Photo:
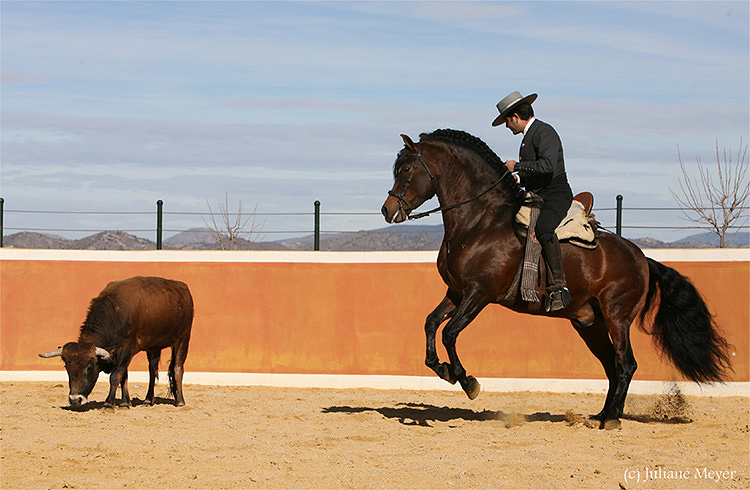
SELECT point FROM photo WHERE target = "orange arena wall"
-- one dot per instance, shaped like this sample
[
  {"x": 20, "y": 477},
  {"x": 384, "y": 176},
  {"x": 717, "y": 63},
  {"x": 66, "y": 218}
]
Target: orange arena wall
[{"x": 333, "y": 313}]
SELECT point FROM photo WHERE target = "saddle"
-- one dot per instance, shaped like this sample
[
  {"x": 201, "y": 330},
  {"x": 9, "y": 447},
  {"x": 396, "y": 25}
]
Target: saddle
[{"x": 579, "y": 227}]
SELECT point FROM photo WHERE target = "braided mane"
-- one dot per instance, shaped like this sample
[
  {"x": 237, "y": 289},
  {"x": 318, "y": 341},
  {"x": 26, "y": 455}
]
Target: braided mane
[{"x": 472, "y": 143}]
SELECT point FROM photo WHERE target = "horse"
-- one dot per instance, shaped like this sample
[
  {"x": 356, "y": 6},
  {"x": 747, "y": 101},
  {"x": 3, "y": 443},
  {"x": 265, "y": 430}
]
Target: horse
[{"x": 611, "y": 286}]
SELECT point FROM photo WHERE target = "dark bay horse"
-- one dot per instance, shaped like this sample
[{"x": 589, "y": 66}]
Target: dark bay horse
[{"x": 612, "y": 286}]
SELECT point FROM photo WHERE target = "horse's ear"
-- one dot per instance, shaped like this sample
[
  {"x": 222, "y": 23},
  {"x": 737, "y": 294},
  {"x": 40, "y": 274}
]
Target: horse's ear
[{"x": 409, "y": 143}]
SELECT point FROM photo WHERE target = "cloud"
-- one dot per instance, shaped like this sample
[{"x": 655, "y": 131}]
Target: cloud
[
  {"x": 113, "y": 104},
  {"x": 20, "y": 77},
  {"x": 444, "y": 11}
]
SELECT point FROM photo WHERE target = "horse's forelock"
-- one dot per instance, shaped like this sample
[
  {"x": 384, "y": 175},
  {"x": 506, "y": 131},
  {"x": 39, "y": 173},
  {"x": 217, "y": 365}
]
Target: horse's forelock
[{"x": 401, "y": 159}]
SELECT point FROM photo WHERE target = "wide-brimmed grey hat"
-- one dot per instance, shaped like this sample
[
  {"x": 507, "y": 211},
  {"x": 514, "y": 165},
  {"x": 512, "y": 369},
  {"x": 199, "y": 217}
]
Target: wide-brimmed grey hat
[{"x": 508, "y": 103}]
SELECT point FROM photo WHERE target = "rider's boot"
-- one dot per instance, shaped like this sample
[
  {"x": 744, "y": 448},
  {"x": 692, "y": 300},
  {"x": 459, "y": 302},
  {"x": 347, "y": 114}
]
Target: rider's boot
[{"x": 558, "y": 296}]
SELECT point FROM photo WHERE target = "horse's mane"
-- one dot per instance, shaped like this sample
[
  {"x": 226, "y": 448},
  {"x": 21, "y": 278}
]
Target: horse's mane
[{"x": 476, "y": 145}]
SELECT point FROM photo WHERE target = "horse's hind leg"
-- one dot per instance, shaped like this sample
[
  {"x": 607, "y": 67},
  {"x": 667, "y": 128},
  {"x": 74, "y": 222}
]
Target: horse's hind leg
[
  {"x": 597, "y": 340},
  {"x": 442, "y": 312},
  {"x": 616, "y": 355},
  {"x": 625, "y": 367}
]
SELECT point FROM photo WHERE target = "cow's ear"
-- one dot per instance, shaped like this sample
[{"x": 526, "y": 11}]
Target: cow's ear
[{"x": 409, "y": 143}]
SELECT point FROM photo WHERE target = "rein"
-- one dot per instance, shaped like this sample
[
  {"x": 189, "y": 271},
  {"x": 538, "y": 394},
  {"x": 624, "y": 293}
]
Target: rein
[{"x": 401, "y": 198}]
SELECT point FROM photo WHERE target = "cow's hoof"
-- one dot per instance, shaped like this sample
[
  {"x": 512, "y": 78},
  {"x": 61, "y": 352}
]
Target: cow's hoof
[
  {"x": 471, "y": 387},
  {"x": 611, "y": 424}
]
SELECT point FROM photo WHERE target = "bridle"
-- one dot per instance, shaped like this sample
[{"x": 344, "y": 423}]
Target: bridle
[
  {"x": 420, "y": 160},
  {"x": 401, "y": 196}
]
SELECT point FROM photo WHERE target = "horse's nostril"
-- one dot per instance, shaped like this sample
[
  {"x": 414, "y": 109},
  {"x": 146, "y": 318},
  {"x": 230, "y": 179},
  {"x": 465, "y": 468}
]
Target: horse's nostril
[{"x": 387, "y": 213}]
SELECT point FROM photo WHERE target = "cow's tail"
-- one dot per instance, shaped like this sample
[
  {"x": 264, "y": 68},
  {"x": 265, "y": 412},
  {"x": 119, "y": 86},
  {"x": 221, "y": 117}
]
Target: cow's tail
[{"x": 683, "y": 328}]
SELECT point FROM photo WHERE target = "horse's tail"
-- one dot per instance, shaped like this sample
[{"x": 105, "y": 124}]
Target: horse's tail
[{"x": 683, "y": 328}]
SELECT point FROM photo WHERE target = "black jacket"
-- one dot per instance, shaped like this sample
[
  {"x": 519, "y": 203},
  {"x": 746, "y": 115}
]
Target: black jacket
[{"x": 540, "y": 164}]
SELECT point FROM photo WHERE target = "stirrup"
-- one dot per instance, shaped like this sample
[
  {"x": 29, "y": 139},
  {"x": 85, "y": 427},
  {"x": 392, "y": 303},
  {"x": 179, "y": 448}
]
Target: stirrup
[{"x": 556, "y": 298}]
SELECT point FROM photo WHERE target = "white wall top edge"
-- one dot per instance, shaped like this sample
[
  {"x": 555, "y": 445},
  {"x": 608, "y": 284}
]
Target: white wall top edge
[
  {"x": 264, "y": 256},
  {"x": 382, "y": 382},
  {"x": 699, "y": 254}
]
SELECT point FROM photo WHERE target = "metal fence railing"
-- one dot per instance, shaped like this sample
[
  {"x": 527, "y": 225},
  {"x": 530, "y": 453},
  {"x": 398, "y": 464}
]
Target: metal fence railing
[{"x": 611, "y": 219}]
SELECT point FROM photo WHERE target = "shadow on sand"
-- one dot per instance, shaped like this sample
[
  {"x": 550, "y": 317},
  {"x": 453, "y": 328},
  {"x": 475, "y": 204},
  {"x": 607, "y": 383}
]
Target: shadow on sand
[
  {"x": 135, "y": 402},
  {"x": 425, "y": 415}
]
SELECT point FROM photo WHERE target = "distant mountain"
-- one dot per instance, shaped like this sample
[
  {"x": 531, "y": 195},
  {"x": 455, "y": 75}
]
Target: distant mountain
[
  {"x": 112, "y": 240},
  {"x": 305, "y": 242},
  {"x": 106, "y": 240},
  {"x": 27, "y": 239},
  {"x": 402, "y": 229},
  {"x": 394, "y": 237},
  {"x": 119, "y": 240},
  {"x": 741, "y": 239},
  {"x": 193, "y": 235},
  {"x": 644, "y": 243},
  {"x": 378, "y": 240},
  {"x": 698, "y": 240}
]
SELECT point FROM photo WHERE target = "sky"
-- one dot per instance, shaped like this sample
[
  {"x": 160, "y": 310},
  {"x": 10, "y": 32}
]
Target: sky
[{"x": 110, "y": 106}]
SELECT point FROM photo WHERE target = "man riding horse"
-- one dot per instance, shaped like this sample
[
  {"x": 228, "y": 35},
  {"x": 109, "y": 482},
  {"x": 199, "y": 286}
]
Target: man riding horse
[
  {"x": 541, "y": 170},
  {"x": 613, "y": 286}
]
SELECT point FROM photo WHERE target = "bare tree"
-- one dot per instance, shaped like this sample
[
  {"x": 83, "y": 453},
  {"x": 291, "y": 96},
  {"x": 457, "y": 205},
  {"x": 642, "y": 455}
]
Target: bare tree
[
  {"x": 719, "y": 196},
  {"x": 233, "y": 231}
]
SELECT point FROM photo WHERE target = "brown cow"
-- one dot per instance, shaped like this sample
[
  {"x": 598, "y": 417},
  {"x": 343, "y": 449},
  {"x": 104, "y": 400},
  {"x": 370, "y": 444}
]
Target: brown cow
[{"x": 129, "y": 316}]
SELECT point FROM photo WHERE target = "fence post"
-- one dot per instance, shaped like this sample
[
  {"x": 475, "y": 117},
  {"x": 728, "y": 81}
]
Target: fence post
[
  {"x": 316, "y": 241},
  {"x": 619, "y": 215},
  {"x": 159, "y": 205},
  {"x": 2, "y": 212}
]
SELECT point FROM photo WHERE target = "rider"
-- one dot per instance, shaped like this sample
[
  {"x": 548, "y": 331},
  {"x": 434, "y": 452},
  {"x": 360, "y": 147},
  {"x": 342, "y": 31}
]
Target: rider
[{"x": 541, "y": 169}]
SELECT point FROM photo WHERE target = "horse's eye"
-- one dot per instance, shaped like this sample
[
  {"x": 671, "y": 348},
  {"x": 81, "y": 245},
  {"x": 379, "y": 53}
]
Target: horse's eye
[{"x": 405, "y": 169}]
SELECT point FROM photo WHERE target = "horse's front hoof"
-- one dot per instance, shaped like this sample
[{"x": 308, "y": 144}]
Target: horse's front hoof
[
  {"x": 611, "y": 424},
  {"x": 445, "y": 371},
  {"x": 472, "y": 387}
]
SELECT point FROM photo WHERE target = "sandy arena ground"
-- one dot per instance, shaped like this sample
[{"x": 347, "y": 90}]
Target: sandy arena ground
[{"x": 250, "y": 437}]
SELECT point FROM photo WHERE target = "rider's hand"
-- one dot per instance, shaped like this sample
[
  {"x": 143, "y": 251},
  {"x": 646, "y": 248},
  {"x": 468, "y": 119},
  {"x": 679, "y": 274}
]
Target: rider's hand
[{"x": 510, "y": 164}]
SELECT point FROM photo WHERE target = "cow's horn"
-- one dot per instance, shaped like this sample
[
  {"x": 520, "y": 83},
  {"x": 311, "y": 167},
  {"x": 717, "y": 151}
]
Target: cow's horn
[
  {"x": 103, "y": 354},
  {"x": 52, "y": 353}
]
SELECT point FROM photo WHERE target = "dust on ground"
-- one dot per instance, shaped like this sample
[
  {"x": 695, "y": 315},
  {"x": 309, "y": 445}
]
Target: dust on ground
[{"x": 255, "y": 437}]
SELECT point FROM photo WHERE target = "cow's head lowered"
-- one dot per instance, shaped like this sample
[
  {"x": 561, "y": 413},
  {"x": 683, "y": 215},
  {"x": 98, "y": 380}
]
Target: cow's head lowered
[{"x": 83, "y": 361}]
